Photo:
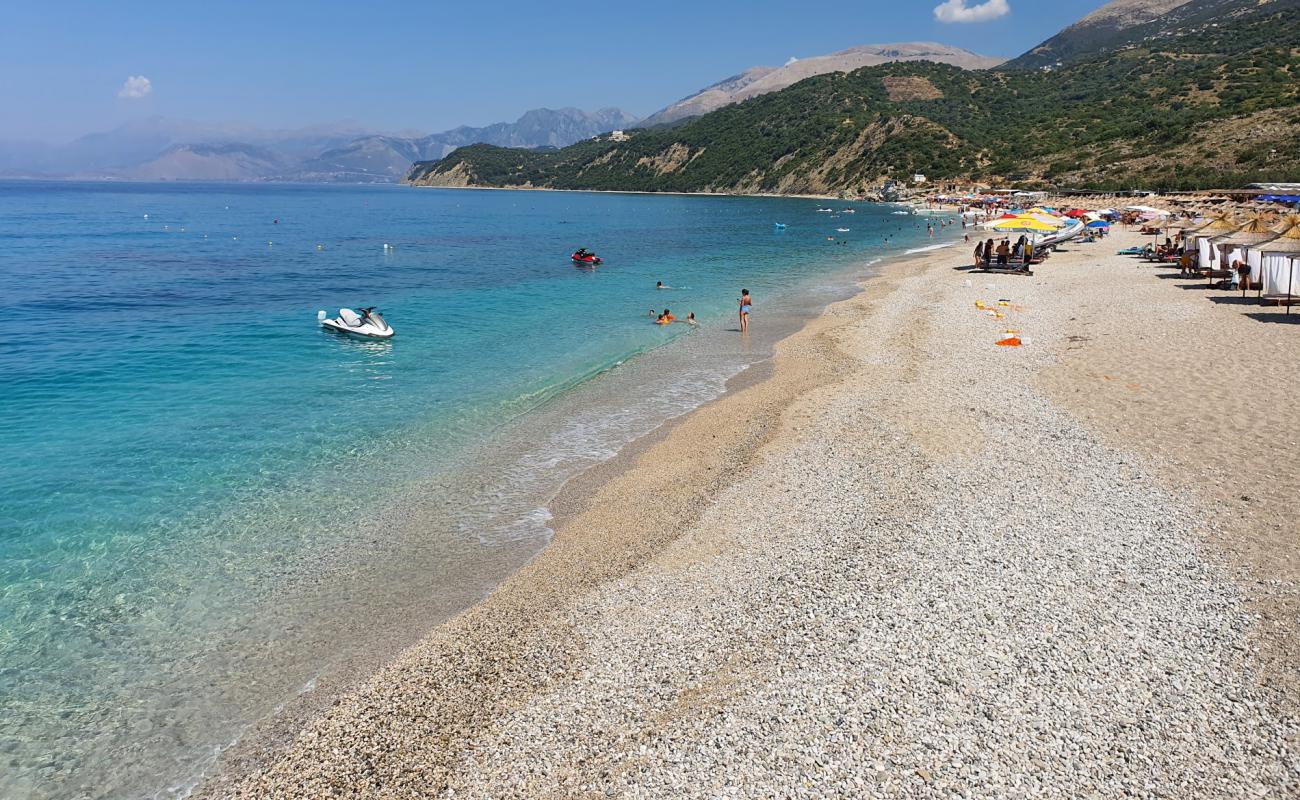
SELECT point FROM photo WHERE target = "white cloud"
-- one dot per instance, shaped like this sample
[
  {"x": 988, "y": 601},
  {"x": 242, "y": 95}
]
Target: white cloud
[
  {"x": 136, "y": 86},
  {"x": 958, "y": 11}
]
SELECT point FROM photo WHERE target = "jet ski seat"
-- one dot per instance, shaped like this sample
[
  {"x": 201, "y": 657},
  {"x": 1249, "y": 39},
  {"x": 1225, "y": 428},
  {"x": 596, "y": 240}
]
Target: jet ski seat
[{"x": 349, "y": 318}]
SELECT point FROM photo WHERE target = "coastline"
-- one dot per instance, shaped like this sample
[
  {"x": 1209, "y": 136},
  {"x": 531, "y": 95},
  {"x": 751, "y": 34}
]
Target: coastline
[
  {"x": 432, "y": 713},
  {"x": 631, "y": 191}
]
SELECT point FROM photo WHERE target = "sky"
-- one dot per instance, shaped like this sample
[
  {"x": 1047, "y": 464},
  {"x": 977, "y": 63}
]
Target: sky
[{"x": 70, "y": 68}]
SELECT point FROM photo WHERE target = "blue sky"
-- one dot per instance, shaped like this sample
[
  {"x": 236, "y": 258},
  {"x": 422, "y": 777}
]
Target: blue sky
[{"x": 432, "y": 65}]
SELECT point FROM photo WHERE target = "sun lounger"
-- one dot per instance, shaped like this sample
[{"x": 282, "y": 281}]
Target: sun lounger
[
  {"x": 1280, "y": 300},
  {"x": 1004, "y": 271}
]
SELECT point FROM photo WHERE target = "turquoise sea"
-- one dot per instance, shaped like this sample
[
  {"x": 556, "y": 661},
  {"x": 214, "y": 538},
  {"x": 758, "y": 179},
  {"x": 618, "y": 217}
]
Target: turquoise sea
[{"x": 208, "y": 504}]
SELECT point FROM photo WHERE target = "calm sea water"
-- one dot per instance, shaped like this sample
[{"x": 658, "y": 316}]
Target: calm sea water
[{"x": 206, "y": 502}]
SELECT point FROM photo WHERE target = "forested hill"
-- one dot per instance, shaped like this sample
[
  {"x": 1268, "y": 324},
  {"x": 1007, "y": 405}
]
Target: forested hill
[{"x": 1213, "y": 101}]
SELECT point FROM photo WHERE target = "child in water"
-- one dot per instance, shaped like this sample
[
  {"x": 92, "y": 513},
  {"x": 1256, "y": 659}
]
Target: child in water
[{"x": 746, "y": 304}]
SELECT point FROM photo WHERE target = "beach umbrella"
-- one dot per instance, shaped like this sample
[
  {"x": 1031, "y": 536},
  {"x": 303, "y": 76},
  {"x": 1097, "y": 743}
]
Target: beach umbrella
[
  {"x": 1023, "y": 225},
  {"x": 1046, "y": 219},
  {"x": 1099, "y": 223},
  {"x": 1075, "y": 213}
]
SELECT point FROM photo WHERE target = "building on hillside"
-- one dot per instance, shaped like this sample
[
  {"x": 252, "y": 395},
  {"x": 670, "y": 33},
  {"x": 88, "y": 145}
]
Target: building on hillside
[
  {"x": 918, "y": 179},
  {"x": 619, "y": 136}
]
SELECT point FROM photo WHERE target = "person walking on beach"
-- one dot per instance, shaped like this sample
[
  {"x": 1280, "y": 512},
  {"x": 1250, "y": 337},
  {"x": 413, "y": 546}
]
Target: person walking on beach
[
  {"x": 979, "y": 255},
  {"x": 746, "y": 304}
]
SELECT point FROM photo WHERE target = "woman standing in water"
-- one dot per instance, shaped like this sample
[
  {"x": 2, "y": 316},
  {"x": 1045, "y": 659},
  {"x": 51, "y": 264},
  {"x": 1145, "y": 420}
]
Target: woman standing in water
[{"x": 745, "y": 305}]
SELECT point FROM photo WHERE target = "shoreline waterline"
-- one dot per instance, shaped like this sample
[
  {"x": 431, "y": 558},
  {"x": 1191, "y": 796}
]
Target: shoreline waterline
[
  {"x": 560, "y": 506},
  {"x": 567, "y": 502}
]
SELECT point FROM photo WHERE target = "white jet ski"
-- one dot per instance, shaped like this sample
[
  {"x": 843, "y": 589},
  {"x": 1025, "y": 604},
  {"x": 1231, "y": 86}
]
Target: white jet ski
[{"x": 367, "y": 324}]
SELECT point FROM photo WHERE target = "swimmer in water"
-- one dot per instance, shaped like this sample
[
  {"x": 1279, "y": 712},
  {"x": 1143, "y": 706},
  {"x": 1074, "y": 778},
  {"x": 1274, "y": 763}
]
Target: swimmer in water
[
  {"x": 660, "y": 285},
  {"x": 690, "y": 319}
]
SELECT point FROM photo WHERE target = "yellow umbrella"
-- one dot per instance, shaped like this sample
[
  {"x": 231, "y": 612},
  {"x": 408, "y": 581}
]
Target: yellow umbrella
[
  {"x": 1021, "y": 224},
  {"x": 1046, "y": 219}
]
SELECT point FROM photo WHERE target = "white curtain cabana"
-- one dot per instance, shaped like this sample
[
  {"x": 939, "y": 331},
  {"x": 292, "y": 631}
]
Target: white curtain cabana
[
  {"x": 1233, "y": 247},
  {"x": 1280, "y": 265}
]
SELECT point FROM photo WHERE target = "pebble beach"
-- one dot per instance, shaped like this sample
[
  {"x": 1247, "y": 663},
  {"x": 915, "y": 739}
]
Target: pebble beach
[{"x": 896, "y": 561}]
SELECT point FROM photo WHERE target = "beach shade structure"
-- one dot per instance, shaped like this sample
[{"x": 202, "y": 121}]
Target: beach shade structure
[
  {"x": 1280, "y": 267},
  {"x": 1046, "y": 219},
  {"x": 1235, "y": 246},
  {"x": 1099, "y": 223},
  {"x": 1076, "y": 213},
  {"x": 1023, "y": 225},
  {"x": 1198, "y": 237}
]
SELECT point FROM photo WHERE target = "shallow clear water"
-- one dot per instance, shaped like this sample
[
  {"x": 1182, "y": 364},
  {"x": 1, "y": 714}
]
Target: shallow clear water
[{"x": 205, "y": 500}]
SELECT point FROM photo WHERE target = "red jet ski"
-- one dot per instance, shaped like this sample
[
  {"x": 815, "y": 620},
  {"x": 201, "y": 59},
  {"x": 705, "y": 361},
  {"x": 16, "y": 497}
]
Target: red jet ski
[{"x": 586, "y": 259}]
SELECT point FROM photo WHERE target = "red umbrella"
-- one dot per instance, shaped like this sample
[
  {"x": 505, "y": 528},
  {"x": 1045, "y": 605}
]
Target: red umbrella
[{"x": 1076, "y": 213}]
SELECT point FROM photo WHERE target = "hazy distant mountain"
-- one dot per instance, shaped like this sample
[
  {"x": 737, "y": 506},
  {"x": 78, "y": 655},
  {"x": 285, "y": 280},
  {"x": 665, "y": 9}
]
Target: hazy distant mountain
[
  {"x": 209, "y": 162},
  {"x": 1100, "y": 30},
  {"x": 761, "y": 80},
  {"x": 387, "y": 158},
  {"x": 164, "y": 149},
  {"x": 125, "y": 150}
]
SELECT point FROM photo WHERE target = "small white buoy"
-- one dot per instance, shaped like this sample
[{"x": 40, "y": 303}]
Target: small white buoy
[
  {"x": 146, "y": 216},
  {"x": 234, "y": 238},
  {"x": 320, "y": 247},
  {"x": 182, "y": 230},
  {"x": 268, "y": 244}
]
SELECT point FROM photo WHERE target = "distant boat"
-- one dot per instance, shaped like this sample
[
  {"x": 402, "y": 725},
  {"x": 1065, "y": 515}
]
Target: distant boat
[
  {"x": 849, "y": 211},
  {"x": 780, "y": 226},
  {"x": 825, "y": 211},
  {"x": 842, "y": 230}
]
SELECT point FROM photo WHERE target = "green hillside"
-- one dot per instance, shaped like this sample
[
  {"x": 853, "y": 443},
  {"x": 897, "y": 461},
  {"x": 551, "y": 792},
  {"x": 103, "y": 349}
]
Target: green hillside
[{"x": 1211, "y": 100}]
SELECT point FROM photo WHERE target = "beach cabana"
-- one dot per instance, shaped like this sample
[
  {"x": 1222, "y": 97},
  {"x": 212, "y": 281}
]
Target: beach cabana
[
  {"x": 1235, "y": 246},
  {"x": 1280, "y": 267},
  {"x": 1199, "y": 239}
]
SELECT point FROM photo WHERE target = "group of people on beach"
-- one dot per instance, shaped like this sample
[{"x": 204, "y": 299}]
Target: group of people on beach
[{"x": 1003, "y": 253}]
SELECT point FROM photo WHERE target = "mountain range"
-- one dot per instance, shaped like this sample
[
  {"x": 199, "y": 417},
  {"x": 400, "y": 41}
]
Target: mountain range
[
  {"x": 1142, "y": 93},
  {"x": 757, "y": 81},
  {"x": 158, "y": 148}
]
